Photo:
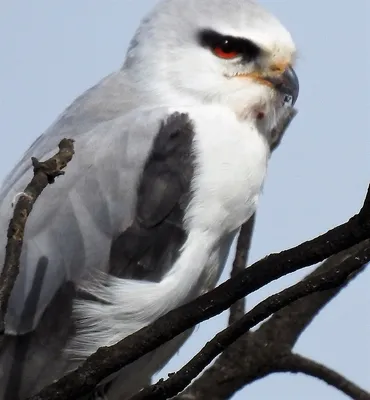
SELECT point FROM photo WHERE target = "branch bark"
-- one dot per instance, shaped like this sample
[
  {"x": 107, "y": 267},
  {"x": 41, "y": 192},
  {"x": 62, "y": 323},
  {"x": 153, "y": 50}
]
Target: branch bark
[
  {"x": 287, "y": 325},
  {"x": 111, "y": 359},
  {"x": 44, "y": 174},
  {"x": 319, "y": 282},
  {"x": 237, "y": 310},
  {"x": 296, "y": 363},
  {"x": 256, "y": 354}
]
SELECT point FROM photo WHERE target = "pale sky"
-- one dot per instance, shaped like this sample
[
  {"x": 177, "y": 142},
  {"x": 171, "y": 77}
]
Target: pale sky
[{"x": 52, "y": 51}]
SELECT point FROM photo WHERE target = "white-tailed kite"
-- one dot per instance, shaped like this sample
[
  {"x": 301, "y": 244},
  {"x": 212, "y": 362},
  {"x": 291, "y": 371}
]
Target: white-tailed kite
[{"x": 171, "y": 155}]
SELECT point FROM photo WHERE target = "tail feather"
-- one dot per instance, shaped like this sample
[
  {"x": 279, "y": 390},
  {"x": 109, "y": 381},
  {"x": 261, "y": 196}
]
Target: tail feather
[
  {"x": 125, "y": 306},
  {"x": 31, "y": 361}
]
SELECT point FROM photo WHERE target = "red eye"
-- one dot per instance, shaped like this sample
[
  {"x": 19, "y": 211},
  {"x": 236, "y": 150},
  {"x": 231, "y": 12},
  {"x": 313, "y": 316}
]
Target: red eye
[{"x": 223, "y": 53}]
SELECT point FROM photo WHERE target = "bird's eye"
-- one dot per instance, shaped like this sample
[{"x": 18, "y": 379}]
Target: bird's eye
[
  {"x": 228, "y": 47},
  {"x": 225, "y": 50}
]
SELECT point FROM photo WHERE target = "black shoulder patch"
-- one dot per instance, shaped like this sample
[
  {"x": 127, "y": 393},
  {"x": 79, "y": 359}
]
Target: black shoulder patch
[{"x": 148, "y": 248}]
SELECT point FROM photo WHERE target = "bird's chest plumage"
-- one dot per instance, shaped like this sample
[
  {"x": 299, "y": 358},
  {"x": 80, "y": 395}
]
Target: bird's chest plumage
[{"x": 231, "y": 162}]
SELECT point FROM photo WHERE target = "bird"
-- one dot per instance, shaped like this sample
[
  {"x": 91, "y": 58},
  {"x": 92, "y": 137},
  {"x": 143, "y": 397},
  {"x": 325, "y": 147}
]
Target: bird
[{"x": 171, "y": 154}]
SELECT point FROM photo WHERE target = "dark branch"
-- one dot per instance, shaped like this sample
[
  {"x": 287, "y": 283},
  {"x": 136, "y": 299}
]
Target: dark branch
[
  {"x": 237, "y": 310},
  {"x": 323, "y": 281},
  {"x": 295, "y": 363},
  {"x": 254, "y": 355},
  {"x": 108, "y": 360},
  {"x": 286, "y": 326},
  {"x": 44, "y": 174}
]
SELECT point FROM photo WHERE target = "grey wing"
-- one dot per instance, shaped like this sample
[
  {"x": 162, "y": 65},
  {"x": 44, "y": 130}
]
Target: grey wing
[{"x": 74, "y": 220}]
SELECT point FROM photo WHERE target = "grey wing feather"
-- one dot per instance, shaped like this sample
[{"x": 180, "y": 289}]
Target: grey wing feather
[{"x": 93, "y": 202}]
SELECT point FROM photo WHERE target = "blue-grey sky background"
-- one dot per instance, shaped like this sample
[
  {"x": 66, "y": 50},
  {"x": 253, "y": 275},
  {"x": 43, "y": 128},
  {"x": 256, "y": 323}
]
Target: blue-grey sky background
[{"x": 52, "y": 51}]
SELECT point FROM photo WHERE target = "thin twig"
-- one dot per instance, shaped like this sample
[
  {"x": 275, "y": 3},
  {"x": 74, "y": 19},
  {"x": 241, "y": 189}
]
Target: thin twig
[
  {"x": 286, "y": 326},
  {"x": 108, "y": 360},
  {"x": 324, "y": 281},
  {"x": 44, "y": 174},
  {"x": 296, "y": 363},
  {"x": 237, "y": 310}
]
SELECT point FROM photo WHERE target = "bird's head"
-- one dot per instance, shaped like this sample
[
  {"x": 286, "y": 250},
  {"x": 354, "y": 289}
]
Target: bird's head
[{"x": 233, "y": 53}]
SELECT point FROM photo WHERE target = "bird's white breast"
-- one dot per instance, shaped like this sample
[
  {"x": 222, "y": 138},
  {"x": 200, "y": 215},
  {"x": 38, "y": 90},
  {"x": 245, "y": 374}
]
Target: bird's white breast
[{"x": 231, "y": 163}]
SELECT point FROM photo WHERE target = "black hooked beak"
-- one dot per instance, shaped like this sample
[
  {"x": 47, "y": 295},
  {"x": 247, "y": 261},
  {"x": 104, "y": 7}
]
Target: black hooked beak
[{"x": 287, "y": 83}]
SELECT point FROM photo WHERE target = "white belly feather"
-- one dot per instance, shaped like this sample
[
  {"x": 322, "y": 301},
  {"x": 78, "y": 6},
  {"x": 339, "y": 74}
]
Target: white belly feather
[
  {"x": 231, "y": 166},
  {"x": 231, "y": 158}
]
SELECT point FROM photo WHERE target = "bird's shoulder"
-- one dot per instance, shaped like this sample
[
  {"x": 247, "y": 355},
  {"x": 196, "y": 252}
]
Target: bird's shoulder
[{"x": 147, "y": 248}]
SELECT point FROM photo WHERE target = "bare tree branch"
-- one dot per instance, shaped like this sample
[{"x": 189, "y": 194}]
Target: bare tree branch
[
  {"x": 319, "y": 282},
  {"x": 288, "y": 324},
  {"x": 44, "y": 174},
  {"x": 237, "y": 310},
  {"x": 108, "y": 360},
  {"x": 296, "y": 363},
  {"x": 253, "y": 355}
]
